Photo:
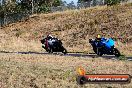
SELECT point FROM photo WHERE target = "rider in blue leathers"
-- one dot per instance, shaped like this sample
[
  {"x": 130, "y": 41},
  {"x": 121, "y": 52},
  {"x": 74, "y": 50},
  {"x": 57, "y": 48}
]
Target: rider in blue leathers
[{"x": 101, "y": 41}]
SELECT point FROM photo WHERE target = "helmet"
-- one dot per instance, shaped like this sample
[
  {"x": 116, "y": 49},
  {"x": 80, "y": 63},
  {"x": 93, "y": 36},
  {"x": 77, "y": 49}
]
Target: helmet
[
  {"x": 49, "y": 36},
  {"x": 98, "y": 36}
]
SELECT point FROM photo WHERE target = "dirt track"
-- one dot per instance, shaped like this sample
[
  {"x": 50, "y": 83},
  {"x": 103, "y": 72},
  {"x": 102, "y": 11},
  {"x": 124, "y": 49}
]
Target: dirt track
[{"x": 72, "y": 54}]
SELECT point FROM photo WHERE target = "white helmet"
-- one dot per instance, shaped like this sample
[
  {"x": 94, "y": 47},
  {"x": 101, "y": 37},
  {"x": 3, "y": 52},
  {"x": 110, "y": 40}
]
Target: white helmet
[{"x": 50, "y": 36}]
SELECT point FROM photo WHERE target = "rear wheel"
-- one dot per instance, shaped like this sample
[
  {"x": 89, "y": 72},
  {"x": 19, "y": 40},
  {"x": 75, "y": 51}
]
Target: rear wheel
[
  {"x": 64, "y": 51},
  {"x": 116, "y": 52}
]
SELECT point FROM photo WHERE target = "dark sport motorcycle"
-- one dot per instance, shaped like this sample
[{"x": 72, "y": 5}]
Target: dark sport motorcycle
[
  {"x": 53, "y": 45},
  {"x": 105, "y": 46}
]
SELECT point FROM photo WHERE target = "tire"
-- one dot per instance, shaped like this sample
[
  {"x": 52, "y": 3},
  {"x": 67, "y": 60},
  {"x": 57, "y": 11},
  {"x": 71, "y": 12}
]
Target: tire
[
  {"x": 64, "y": 51},
  {"x": 81, "y": 80},
  {"x": 50, "y": 50},
  {"x": 43, "y": 47},
  {"x": 99, "y": 53},
  {"x": 47, "y": 49},
  {"x": 116, "y": 52},
  {"x": 95, "y": 50}
]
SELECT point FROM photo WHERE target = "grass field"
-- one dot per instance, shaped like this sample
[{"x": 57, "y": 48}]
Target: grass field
[{"x": 52, "y": 71}]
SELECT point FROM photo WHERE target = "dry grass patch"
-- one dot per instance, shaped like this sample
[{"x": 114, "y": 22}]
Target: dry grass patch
[{"x": 48, "y": 71}]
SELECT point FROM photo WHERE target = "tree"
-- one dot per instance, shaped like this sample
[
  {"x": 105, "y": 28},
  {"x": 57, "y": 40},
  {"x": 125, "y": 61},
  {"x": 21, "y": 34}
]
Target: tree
[
  {"x": 71, "y": 5},
  {"x": 45, "y": 5},
  {"x": 57, "y": 3},
  {"x": 26, "y": 4},
  {"x": 1, "y": 16},
  {"x": 64, "y": 3}
]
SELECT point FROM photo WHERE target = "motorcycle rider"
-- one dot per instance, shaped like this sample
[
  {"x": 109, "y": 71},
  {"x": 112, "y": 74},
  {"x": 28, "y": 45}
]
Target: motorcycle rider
[
  {"x": 101, "y": 40},
  {"x": 52, "y": 44},
  {"x": 49, "y": 40}
]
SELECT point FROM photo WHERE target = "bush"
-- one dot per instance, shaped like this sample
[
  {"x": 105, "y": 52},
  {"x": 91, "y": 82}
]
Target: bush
[
  {"x": 122, "y": 57},
  {"x": 112, "y": 2}
]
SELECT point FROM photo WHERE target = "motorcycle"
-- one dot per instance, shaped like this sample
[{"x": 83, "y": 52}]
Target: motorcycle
[
  {"x": 53, "y": 45},
  {"x": 105, "y": 46}
]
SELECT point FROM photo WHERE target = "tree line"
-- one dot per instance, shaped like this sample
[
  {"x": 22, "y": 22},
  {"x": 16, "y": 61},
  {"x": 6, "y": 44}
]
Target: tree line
[{"x": 13, "y": 6}]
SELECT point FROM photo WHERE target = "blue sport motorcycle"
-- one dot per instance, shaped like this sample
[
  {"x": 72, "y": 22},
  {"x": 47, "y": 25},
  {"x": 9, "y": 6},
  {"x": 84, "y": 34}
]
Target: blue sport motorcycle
[{"x": 104, "y": 46}]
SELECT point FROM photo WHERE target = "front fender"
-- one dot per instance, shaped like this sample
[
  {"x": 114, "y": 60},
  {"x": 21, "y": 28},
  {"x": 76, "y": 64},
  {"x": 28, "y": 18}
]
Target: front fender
[{"x": 43, "y": 46}]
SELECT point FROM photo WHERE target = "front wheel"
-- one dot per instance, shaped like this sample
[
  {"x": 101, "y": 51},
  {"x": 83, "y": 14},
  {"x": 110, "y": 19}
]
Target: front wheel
[
  {"x": 99, "y": 52},
  {"x": 49, "y": 50},
  {"x": 116, "y": 52}
]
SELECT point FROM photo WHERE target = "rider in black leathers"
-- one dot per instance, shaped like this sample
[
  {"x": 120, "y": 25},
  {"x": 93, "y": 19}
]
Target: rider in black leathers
[{"x": 49, "y": 41}]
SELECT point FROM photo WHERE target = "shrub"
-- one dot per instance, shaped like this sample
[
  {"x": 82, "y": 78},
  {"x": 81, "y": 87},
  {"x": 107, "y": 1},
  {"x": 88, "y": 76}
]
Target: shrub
[
  {"x": 122, "y": 57},
  {"x": 112, "y": 2}
]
